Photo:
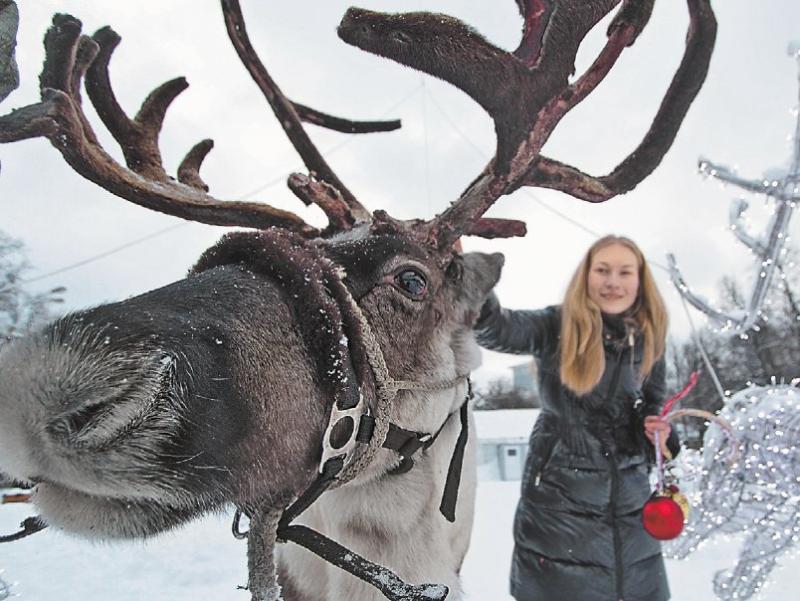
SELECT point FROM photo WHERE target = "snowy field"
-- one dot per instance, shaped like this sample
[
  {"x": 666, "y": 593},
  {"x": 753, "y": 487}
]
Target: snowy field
[{"x": 203, "y": 562}]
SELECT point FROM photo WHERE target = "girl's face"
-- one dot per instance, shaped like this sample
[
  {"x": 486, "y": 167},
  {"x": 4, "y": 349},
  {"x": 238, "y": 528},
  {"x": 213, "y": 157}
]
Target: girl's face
[{"x": 613, "y": 280}]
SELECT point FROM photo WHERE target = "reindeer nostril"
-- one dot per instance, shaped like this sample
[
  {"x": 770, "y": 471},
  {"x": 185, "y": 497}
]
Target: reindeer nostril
[{"x": 79, "y": 420}]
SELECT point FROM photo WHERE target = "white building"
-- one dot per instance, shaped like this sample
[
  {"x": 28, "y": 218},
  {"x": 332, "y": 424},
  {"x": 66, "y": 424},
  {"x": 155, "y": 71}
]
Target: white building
[{"x": 503, "y": 442}]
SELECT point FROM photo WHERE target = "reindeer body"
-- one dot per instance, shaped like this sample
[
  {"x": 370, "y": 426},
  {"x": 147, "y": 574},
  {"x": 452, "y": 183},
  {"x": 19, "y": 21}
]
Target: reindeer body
[{"x": 134, "y": 417}]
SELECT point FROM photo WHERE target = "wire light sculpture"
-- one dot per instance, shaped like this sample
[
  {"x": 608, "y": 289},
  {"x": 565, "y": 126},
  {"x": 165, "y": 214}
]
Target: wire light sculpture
[
  {"x": 758, "y": 495},
  {"x": 785, "y": 193},
  {"x": 5, "y": 590}
]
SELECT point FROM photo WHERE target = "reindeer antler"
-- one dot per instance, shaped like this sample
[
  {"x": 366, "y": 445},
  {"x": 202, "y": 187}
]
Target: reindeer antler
[
  {"x": 527, "y": 92},
  {"x": 60, "y": 118},
  {"x": 289, "y": 116},
  {"x": 72, "y": 58}
]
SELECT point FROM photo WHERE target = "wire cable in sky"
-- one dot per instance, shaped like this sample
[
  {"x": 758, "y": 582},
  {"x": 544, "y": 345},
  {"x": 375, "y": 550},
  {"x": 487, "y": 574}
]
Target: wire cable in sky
[{"x": 106, "y": 253}]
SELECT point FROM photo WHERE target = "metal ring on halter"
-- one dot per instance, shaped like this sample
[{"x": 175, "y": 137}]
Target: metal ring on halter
[{"x": 337, "y": 415}]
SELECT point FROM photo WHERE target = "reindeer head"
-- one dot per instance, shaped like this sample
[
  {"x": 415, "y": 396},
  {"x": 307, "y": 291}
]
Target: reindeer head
[{"x": 135, "y": 416}]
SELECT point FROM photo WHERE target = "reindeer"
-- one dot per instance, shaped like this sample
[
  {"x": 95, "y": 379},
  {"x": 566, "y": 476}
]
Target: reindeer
[
  {"x": 758, "y": 494},
  {"x": 307, "y": 375}
]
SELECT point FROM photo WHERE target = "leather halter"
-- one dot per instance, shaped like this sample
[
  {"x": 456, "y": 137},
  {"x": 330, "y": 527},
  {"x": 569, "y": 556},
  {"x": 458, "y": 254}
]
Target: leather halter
[
  {"x": 368, "y": 432},
  {"x": 373, "y": 429}
]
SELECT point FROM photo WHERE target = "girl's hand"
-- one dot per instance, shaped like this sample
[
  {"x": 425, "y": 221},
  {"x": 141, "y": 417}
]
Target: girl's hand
[{"x": 653, "y": 424}]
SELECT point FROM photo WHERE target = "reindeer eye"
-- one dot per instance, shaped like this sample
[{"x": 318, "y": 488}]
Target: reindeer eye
[{"x": 412, "y": 282}]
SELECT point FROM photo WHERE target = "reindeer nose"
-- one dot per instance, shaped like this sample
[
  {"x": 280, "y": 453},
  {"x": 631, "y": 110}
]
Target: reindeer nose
[
  {"x": 76, "y": 424},
  {"x": 102, "y": 415}
]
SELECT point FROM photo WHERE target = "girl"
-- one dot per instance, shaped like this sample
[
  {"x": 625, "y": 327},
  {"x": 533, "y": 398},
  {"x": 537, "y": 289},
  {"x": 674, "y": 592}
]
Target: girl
[{"x": 577, "y": 530}]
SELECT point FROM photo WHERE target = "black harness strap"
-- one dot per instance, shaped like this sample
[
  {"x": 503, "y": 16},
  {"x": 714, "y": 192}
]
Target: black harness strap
[
  {"x": 30, "y": 526},
  {"x": 451, "y": 485},
  {"x": 381, "y": 578},
  {"x": 407, "y": 442},
  {"x": 391, "y": 585},
  {"x": 323, "y": 480},
  {"x": 404, "y": 442}
]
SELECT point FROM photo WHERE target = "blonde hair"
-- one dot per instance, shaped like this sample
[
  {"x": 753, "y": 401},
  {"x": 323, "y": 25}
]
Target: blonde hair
[{"x": 581, "y": 347}]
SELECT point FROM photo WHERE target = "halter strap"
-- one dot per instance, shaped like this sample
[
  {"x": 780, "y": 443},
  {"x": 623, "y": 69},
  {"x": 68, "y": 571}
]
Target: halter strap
[
  {"x": 29, "y": 526},
  {"x": 386, "y": 389},
  {"x": 369, "y": 432}
]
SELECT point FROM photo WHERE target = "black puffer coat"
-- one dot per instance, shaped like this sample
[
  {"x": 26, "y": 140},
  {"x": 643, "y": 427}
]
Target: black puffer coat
[{"x": 577, "y": 530}]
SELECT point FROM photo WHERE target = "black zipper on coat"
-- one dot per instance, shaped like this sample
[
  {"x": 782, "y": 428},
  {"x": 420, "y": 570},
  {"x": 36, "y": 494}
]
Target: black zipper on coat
[
  {"x": 612, "y": 502},
  {"x": 612, "y": 509}
]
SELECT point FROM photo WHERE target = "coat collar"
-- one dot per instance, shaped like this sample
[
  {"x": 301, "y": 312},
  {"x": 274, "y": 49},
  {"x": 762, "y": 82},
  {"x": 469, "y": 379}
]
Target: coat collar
[{"x": 618, "y": 329}]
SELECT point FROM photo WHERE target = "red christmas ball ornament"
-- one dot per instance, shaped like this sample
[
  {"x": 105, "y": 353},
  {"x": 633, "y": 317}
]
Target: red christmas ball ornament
[{"x": 662, "y": 517}]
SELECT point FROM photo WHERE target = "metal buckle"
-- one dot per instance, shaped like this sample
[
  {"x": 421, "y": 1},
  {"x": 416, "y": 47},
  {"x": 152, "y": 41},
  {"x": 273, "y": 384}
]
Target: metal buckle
[{"x": 337, "y": 415}]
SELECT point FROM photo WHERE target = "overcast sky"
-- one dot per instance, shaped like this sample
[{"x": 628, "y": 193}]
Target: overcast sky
[{"x": 742, "y": 118}]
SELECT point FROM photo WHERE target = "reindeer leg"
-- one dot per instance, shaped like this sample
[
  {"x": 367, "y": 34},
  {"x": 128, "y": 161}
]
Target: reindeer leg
[
  {"x": 758, "y": 557},
  {"x": 261, "y": 539}
]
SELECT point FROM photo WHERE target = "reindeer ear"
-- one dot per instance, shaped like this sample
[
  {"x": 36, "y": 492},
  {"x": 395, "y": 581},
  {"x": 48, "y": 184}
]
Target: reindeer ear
[
  {"x": 493, "y": 268},
  {"x": 483, "y": 272},
  {"x": 455, "y": 271}
]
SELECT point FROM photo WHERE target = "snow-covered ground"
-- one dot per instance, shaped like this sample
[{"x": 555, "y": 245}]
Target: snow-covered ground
[{"x": 203, "y": 562}]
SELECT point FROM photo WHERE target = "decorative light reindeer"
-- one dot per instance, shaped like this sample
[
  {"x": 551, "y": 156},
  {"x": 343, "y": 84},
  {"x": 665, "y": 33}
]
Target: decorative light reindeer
[
  {"x": 758, "y": 495},
  {"x": 352, "y": 342}
]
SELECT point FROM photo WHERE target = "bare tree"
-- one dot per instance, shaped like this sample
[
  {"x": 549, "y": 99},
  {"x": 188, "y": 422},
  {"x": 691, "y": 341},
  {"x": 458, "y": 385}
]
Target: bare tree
[
  {"x": 9, "y": 21},
  {"x": 500, "y": 393},
  {"x": 20, "y": 310}
]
